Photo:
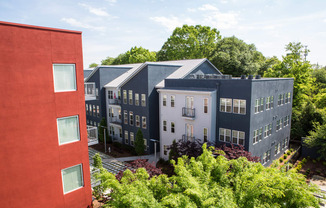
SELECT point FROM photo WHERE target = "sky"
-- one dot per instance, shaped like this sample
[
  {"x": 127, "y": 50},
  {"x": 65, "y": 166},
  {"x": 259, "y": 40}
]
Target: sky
[{"x": 111, "y": 27}]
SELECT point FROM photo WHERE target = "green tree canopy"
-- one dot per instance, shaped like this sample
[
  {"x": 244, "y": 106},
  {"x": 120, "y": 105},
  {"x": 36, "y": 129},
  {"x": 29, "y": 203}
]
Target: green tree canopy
[
  {"x": 189, "y": 42},
  {"x": 139, "y": 143},
  {"x": 92, "y": 65},
  {"x": 317, "y": 139},
  {"x": 234, "y": 56},
  {"x": 211, "y": 182},
  {"x": 134, "y": 55}
]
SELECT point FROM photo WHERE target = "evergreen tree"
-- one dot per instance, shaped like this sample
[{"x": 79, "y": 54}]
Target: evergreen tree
[{"x": 139, "y": 143}]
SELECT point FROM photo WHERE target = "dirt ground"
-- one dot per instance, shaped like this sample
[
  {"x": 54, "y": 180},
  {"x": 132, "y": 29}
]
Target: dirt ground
[
  {"x": 115, "y": 152},
  {"x": 313, "y": 167}
]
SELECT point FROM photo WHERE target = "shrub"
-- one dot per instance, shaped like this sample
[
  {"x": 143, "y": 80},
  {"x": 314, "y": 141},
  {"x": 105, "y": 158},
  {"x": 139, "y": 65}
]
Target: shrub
[
  {"x": 288, "y": 153},
  {"x": 97, "y": 160},
  {"x": 314, "y": 161},
  {"x": 285, "y": 156},
  {"x": 139, "y": 143},
  {"x": 318, "y": 159},
  {"x": 281, "y": 160},
  {"x": 299, "y": 167},
  {"x": 304, "y": 160},
  {"x": 291, "y": 150},
  {"x": 324, "y": 163}
]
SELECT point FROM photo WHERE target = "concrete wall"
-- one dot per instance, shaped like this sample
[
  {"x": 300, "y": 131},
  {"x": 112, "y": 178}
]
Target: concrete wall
[{"x": 31, "y": 159}]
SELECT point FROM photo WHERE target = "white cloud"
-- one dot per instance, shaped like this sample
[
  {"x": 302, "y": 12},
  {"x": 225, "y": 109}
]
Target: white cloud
[
  {"x": 224, "y": 2},
  {"x": 76, "y": 23},
  {"x": 191, "y": 10},
  {"x": 324, "y": 20},
  {"x": 96, "y": 11},
  {"x": 172, "y": 22},
  {"x": 112, "y": 1},
  {"x": 208, "y": 7},
  {"x": 221, "y": 20}
]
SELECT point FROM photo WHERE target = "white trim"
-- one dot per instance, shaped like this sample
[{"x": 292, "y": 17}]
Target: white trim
[
  {"x": 75, "y": 76},
  {"x": 82, "y": 177},
  {"x": 192, "y": 92},
  {"x": 78, "y": 131}
]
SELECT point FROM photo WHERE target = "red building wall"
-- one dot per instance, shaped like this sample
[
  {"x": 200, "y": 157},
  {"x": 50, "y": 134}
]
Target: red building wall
[{"x": 31, "y": 159}]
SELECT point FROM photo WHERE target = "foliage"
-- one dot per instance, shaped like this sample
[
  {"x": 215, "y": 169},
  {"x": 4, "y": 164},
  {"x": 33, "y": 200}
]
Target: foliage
[
  {"x": 234, "y": 152},
  {"x": 183, "y": 147},
  {"x": 189, "y": 42},
  {"x": 101, "y": 128},
  {"x": 97, "y": 160},
  {"x": 317, "y": 139},
  {"x": 92, "y": 65},
  {"x": 141, "y": 163},
  {"x": 233, "y": 56},
  {"x": 134, "y": 55},
  {"x": 139, "y": 143},
  {"x": 211, "y": 182}
]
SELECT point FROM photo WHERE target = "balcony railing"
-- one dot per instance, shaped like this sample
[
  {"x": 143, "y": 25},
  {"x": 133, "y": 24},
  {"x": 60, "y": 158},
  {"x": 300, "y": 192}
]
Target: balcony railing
[
  {"x": 188, "y": 112},
  {"x": 90, "y": 91},
  {"x": 115, "y": 120},
  {"x": 115, "y": 102},
  {"x": 188, "y": 138},
  {"x": 92, "y": 135}
]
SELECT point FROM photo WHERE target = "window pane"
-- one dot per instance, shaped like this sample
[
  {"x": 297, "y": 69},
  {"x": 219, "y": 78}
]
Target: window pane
[
  {"x": 72, "y": 178},
  {"x": 64, "y": 77},
  {"x": 68, "y": 129}
]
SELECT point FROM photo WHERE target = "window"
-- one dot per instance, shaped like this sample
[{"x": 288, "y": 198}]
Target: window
[
  {"x": 259, "y": 105},
  {"x": 98, "y": 111},
  {"x": 120, "y": 132},
  {"x": 289, "y": 97},
  {"x": 164, "y": 100},
  {"x": 286, "y": 120},
  {"x": 137, "y": 121},
  {"x": 110, "y": 94},
  {"x": 165, "y": 148},
  {"x": 64, "y": 76},
  {"x": 111, "y": 130},
  {"x": 124, "y": 96},
  {"x": 172, "y": 100},
  {"x": 72, "y": 178},
  {"x": 283, "y": 143},
  {"x": 279, "y": 124},
  {"x": 172, "y": 127},
  {"x": 268, "y": 130},
  {"x": 96, "y": 92},
  {"x": 132, "y": 138},
  {"x": 266, "y": 156},
  {"x": 145, "y": 143},
  {"x": 144, "y": 125},
  {"x": 269, "y": 102},
  {"x": 91, "y": 123},
  {"x": 205, "y": 105},
  {"x": 125, "y": 116},
  {"x": 68, "y": 129},
  {"x": 137, "y": 99},
  {"x": 119, "y": 114},
  {"x": 90, "y": 109},
  {"x": 94, "y": 110},
  {"x": 239, "y": 106},
  {"x": 205, "y": 134},
  {"x": 131, "y": 118},
  {"x": 280, "y": 99},
  {"x": 258, "y": 135},
  {"x": 94, "y": 123},
  {"x": 225, "y": 135},
  {"x": 164, "y": 125},
  {"x": 277, "y": 148},
  {"x": 87, "y": 121},
  {"x": 226, "y": 105},
  {"x": 143, "y": 100},
  {"x": 130, "y": 97},
  {"x": 86, "y": 109},
  {"x": 238, "y": 137},
  {"x": 126, "y": 137}
]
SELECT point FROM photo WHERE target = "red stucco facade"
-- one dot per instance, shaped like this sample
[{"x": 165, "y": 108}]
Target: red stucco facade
[{"x": 31, "y": 158}]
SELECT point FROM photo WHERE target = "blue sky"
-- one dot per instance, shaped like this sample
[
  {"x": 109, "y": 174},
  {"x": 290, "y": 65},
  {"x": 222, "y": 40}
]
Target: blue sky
[{"x": 111, "y": 27}]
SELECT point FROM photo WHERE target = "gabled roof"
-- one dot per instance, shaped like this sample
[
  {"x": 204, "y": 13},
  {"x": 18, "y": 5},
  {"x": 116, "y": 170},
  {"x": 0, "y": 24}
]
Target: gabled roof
[
  {"x": 186, "y": 66},
  {"x": 108, "y": 66}
]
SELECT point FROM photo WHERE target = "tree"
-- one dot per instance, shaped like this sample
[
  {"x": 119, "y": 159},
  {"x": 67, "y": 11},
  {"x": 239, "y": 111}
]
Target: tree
[
  {"x": 317, "y": 139},
  {"x": 234, "y": 152},
  {"x": 101, "y": 128},
  {"x": 92, "y": 65},
  {"x": 235, "y": 57},
  {"x": 211, "y": 182},
  {"x": 189, "y": 42},
  {"x": 97, "y": 160},
  {"x": 134, "y": 55},
  {"x": 139, "y": 143}
]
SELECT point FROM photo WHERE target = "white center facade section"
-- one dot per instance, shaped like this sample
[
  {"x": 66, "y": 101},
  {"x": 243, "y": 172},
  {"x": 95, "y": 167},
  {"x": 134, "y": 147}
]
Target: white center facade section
[
  {"x": 114, "y": 114},
  {"x": 186, "y": 114}
]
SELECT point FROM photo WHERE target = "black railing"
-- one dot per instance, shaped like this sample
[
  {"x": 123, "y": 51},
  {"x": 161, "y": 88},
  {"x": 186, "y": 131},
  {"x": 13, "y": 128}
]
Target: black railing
[
  {"x": 188, "y": 112},
  {"x": 115, "y": 102},
  {"x": 188, "y": 138}
]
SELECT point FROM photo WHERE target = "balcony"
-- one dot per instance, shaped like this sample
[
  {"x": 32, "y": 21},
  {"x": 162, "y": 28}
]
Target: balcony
[
  {"x": 115, "y": 120},
  {"x": 90, "y": 91},
  {"x": 188, "y": 112},
  {"x": 92, "y": 135},
  {"x": 188, "y": 138},
  {"x": 115, "y": 102}
]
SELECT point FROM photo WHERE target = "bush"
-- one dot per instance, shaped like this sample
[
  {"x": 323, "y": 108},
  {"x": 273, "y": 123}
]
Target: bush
[
  {"x": 314, "y": 161},
  {"x": 285, "y": 156},
  {"x": 324, "y": 163},
  {"x": 281, "y": 160},
  {"x": 299, "y": 167},
  {"x": 291, "y": 150},
  {"x": 97, "y": 161},
  {"x": 304, "y": 160},
  {"x": 288, "y": 153},
  {"x": 139, "y": 143}
]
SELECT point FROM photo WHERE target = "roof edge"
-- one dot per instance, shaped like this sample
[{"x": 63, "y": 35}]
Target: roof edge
[{"x": 39, "y": 27}]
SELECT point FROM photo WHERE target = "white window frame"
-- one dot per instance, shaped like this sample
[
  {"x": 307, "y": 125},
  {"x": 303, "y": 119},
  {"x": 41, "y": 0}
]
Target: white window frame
[
  {"x": 126, "y": 137},
  {"x": 130, "y": 97},
  {"x": 224, "y": 102},
  {"x": 172, "y": 103},
  {"x": 164, "y": 100},
  {"x": 237, "y": 104},
  {"x": 131, "y": 118},
  {"x": 143, "y": 100},
  {"x": 82, "y": 178},
  {"x": 137, "y": 117},
  {"x": 78, "y": 131},
  {"x": 137, "y": 99},
  {"x": 165, "y": 125},
  {"x": 75, "y": 78},
  {"x": 124, "y": 94},
  {"x": 236, "y": 134},
  {"x": 142, "y": 122},
  {"x": 132, "y": 139},
  {"x": 205, "y": 105},
  {"x": 223, "y": 132},
  {"x": 205, "y": 134},
  {"x": 172, "y": 127}
]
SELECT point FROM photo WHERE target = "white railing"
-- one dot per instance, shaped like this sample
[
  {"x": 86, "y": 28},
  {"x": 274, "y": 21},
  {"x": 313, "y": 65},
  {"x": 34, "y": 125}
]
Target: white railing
[
  {"x": 90, "y": 91},
  {"x": 92, "y": 135}
]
